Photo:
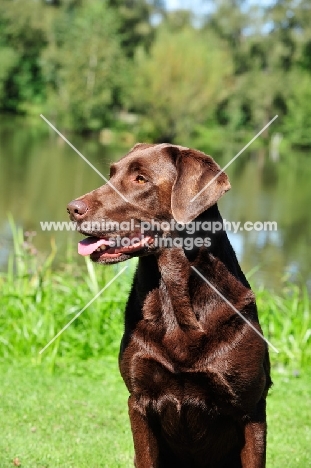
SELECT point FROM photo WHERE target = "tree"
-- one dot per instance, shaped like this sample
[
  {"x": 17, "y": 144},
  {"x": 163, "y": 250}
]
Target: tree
[
  {"x": 135, "y": 26},
  {"x": 85, "y": 67},
  {"x": 22, "y": 37},
  {"x": 179, "y": 82},
  {"x": 297, "y": 122}
]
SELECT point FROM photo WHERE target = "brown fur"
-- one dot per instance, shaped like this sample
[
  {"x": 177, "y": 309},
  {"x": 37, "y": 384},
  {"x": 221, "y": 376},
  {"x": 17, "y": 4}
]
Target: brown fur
[{"x": 197, "y": 374}]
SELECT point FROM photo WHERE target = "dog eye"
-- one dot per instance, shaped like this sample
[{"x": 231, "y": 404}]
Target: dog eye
[{"x": 141, "y": 179}]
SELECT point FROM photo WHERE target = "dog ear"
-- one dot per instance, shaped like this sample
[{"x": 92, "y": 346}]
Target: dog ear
[{"x": 199, "y": 177}]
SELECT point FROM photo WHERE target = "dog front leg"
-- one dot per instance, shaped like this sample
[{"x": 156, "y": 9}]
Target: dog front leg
[
  {"x": 145, "y": 442},
  {"x": 253, "y": 454}
]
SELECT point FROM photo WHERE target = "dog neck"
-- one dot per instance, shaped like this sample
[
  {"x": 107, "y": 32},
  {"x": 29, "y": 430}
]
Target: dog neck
[{"x": 219, "y": 248}]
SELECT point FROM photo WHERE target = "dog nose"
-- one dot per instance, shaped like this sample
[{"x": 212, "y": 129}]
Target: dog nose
[{"x": 77, "y": 209}]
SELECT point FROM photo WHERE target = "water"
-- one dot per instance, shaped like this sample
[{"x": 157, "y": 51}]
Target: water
[{"x": 40, "y": 174}]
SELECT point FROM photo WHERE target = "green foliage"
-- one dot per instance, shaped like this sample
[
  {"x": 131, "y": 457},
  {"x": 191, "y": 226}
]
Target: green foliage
[
  {"x": 135, "y": 27},
  {"x": 85, "y": 63},
  {"x": 178, "y": 82},
  {"x": 22, "y": 38},
  {"x": 85, "y": 67},
  {"x": 297, "y": 122},
  {"x": 8, "y": 59}
]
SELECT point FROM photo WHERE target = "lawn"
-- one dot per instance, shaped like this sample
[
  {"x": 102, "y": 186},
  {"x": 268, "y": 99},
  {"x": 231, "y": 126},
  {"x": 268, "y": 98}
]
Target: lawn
[
  {"x": 67, "y": 407},
  {"x": 71, "y": 421},
  {"x": 61, "y": 420}
]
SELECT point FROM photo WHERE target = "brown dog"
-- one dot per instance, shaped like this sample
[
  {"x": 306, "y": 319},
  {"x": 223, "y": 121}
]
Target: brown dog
[{"x": 197, "y": 373}]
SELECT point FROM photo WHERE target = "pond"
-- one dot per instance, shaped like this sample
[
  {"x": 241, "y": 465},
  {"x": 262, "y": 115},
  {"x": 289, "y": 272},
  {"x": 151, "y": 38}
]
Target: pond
[{"x": 40, "y": 174}]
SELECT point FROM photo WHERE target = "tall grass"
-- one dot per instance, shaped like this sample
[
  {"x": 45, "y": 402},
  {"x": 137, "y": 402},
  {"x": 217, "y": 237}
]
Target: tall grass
[
  {"x": 37, "y": 301},
  {"x": 286, "y": 321}
]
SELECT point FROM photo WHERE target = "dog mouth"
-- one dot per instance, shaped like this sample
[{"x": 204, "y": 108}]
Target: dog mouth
[{"x": 110, "y": 249}]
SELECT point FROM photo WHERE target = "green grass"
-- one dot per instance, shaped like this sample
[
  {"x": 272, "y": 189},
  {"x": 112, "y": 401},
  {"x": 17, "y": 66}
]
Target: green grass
[
  {"x": 69, "y": 421},
  {"x": 37, "y": 301},
  {"x": 289, "y": 422},
  {"x": 68, "y": 407},
  {"x": 51, "y": 421},
  {"x": 286, "y": 321}
]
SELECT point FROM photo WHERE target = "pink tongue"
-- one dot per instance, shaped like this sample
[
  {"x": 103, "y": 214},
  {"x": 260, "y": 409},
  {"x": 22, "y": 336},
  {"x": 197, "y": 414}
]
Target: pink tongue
[{"x": 90, "y": 244}]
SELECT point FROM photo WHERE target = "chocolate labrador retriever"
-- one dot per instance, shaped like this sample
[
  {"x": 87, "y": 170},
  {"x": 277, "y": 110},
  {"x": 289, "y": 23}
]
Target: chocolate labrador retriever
[{"x": 197, "y": 372}]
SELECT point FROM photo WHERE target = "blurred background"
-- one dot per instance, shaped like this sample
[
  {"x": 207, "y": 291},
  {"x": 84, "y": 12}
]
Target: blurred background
[
  {"x": 208, "y": 75},
  {"x": 109, "y": 73}
]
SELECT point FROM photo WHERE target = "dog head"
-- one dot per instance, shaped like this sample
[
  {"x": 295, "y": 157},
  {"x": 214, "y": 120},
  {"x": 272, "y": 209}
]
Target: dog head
[{"x": 156, "y": 184}]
